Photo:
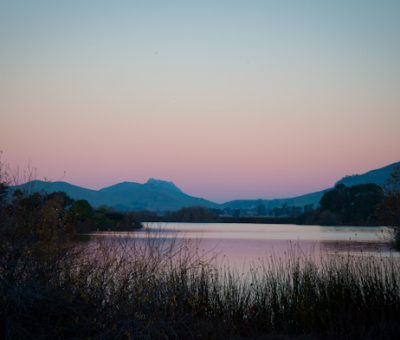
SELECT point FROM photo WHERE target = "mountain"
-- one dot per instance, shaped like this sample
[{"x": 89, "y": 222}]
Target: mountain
[
  {"x": 123, "y": 186},
  {"x": 155, "y": 195},
  {"x": 378, "y": 176},
  {"x": 156, "y": 183},
  {"x": 73, "y": 191},
  {"x": 299, "y": 201},
  {"x": 159, "y": 195}
]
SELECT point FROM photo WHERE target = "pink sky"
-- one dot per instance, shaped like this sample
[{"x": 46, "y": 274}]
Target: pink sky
[{"x": 226, "y": 101}]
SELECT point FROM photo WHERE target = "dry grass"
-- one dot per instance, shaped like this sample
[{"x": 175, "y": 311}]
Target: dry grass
[{"x": 160, "y": 288}]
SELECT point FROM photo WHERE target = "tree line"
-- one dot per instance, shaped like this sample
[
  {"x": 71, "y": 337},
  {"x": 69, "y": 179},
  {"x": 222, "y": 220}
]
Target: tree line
[{"x": 48, "y": 217}]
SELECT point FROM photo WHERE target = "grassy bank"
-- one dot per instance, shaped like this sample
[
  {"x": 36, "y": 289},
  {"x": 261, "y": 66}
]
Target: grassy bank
[{"x": 154, "y": 289}]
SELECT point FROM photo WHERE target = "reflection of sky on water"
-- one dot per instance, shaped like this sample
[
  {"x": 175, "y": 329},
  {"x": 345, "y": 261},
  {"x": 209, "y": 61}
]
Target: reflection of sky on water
[
  {"x": 267, "y": 231},
  {"x": 240, "y": 245},
  {"x": 355, "y": 246}
]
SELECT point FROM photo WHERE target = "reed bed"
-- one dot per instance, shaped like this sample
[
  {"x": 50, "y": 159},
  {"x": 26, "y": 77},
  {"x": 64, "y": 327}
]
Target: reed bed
[{"x": 123, "y": 288}]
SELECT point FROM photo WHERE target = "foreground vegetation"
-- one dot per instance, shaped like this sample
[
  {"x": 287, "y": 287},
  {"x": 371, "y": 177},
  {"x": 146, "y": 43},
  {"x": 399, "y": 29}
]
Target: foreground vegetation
[
  {"x": 162, "y": 289},
  {"x": 52, "y": 286}
]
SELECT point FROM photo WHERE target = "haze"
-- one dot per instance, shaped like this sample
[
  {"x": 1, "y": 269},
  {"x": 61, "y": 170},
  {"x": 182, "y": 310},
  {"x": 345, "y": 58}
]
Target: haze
[{"x": 228, "y": 99}]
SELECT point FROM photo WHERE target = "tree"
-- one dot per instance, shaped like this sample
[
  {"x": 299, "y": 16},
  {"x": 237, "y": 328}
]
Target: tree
[
  {"x": 193, "y": 214},
  {"x": 61, "y": 197},
  {"x": 3, "y": 183},
  {"x": 355, "y": 205},
  {"x": 393, "y": 183},
  {"x": 81, "y": 210},
  {"x": 328, "y": 218},
  {"x": 389, "y": 210},
  {"x": 3, "y": 194},
  {"x": 80, "y": 216},
  {"x": 261, "y": 210}
]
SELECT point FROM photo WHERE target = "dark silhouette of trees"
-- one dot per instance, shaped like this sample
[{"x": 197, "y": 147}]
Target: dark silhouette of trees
[
  {"x": 355, "y": 205},
  {"x": 261, "y": 210},
  {"x": 389, "y": 209},
  {"x": 80, "y": 216},
  {"x": 3, "y": 194},
  {"x": 192, "y": 214}
]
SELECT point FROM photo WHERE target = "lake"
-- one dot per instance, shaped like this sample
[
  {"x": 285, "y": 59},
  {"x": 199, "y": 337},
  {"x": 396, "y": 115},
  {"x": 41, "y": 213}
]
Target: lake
[{"x": 241, "y": 245}]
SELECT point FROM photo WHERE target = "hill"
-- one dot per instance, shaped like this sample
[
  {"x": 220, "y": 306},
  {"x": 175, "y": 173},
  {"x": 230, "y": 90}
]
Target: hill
[
  {"x": 377, "y": 176},
  {"x": 154, "y": 195},
  {"x": 299, "y": 201},
  {"x": 158, "y": 195}
]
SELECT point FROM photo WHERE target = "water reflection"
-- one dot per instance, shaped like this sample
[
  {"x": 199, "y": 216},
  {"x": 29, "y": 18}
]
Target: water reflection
[
  {"x": 240, "y": 245},
  {"x": 370, "y": 247}
]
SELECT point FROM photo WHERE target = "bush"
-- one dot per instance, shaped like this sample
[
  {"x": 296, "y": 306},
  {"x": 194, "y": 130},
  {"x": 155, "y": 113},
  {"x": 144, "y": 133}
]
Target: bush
[
  {"x": 118, "y": 287},
  {"x": 389, "y": 211},
  {"x": 51, "y": 286}
]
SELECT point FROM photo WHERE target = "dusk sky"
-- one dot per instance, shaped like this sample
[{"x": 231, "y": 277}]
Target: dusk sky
[{"x": 228, "y": 99}]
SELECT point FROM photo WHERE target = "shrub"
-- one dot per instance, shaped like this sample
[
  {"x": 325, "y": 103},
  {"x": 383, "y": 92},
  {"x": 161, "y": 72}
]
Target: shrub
[{"x": 119, "y": 287}]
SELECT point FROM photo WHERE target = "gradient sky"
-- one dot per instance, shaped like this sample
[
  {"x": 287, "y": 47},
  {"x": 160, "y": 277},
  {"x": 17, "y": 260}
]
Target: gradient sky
[{"x": 228, "y": 99}]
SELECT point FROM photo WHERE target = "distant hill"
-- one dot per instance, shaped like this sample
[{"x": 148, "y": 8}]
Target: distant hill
[
  {"x": 158, "y": 195},
  {"x": 378, "y": 176},
  {"x": 154, "y": 195},
  {"x": 299, "y": 201}
]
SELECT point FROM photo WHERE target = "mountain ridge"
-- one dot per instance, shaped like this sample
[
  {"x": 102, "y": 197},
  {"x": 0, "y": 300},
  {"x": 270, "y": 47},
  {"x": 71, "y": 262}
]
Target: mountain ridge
[
  {"x": 160, "y": 195},
  {"x": 155, "y": 194},
  {"x": 378, "y": 176}
]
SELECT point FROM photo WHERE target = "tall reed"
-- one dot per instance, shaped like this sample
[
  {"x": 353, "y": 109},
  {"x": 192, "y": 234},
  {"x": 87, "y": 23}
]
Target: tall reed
[{"x": 116, "y": 287}]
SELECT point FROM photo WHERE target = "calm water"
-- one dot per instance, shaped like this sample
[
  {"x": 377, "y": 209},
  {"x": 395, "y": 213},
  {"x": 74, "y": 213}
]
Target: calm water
[{"x": 240, "y": 245}]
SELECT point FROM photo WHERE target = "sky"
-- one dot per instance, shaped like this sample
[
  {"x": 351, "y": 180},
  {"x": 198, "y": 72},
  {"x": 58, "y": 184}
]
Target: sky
[{"x": 227, "y": 99}]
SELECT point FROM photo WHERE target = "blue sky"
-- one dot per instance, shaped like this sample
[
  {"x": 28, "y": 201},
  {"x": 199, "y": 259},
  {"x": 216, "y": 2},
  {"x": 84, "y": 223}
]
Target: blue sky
[{"x": 226, "y": 98}]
